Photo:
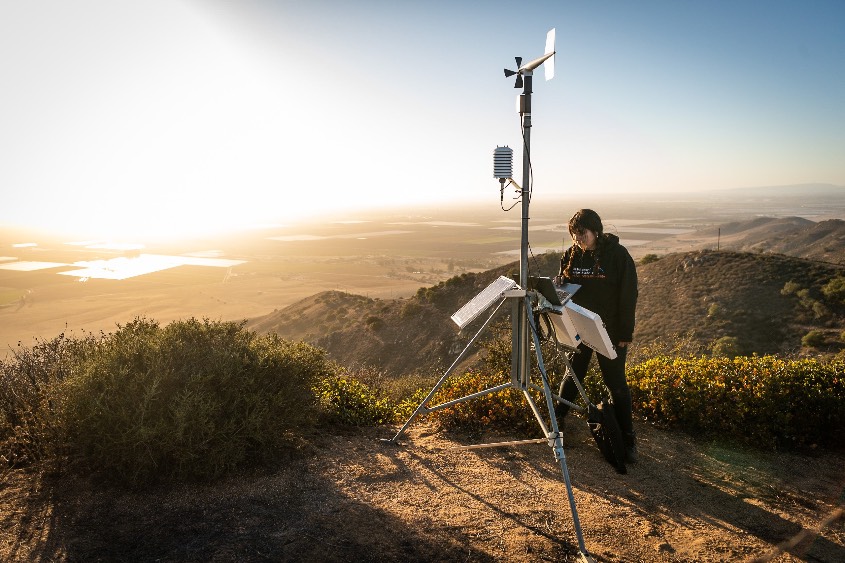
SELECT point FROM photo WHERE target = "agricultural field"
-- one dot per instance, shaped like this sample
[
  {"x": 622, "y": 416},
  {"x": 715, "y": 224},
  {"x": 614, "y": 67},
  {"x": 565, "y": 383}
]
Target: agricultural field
[{"x": 50, "y": 285}]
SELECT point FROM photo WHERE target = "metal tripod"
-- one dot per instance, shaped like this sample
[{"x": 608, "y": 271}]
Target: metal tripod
[
  {"x": 521, "y": 380},
  {"x": 522, "y": 317}
]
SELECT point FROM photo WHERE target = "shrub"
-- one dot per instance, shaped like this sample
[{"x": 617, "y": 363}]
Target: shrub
[
  {"x": 193, "y": 399},
  {"x": 649, "y": 258},
  {"x": 30, "y": 428},
  {"x": 411, "y": 309},
  {"x": 726, "y": 346},
  {"x": 820, "y": 310},
  {"x": 835, "y": 290},
  {"x": 813, "y": 339},
  {"x": 374, "y": 323},
  {"x": 503, "y": 409},
  {"x": 790, "y": 288},
  {"x": 405, "y": 407},
  {"x": 350, "y": 401},
  {"x": 765, "y": 401}
]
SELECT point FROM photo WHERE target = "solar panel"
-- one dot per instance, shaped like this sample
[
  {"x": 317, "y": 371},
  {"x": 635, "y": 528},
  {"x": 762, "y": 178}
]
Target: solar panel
[{"x": 482, "y": 301}]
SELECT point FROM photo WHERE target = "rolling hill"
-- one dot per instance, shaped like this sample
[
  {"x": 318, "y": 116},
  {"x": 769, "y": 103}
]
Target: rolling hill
[
  {"x": 712, "y": 294},
  {"x": 793, "y": 236}
]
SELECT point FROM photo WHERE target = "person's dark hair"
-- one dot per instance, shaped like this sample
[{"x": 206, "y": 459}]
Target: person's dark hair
[{"x": 586, "y": 219}]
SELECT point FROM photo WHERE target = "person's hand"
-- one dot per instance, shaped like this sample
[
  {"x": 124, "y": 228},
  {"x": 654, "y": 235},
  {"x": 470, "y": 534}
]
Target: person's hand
[
  {"x": 558, "y": 280},
  {"x": 623, "y": 344}
]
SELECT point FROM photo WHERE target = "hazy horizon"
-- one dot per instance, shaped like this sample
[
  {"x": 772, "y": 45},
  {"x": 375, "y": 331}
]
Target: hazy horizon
[
  {"x": 822, "y": 201},
  {"x": 50, "y": 285}
]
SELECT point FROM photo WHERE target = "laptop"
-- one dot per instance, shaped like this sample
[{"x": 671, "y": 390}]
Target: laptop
[{"x": 557, "y": 295}]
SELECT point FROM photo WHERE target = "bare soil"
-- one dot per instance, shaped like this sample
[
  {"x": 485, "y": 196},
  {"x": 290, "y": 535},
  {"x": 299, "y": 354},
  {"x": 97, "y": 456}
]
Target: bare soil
[{"x": 348, "y": 496}]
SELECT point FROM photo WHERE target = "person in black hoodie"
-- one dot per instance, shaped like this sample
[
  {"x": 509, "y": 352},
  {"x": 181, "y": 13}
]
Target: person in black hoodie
[{"x": 608, "y": 279}]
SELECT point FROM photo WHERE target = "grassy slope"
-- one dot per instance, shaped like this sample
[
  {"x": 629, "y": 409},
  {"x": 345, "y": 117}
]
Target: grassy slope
[{"x": 715, "y": 294}]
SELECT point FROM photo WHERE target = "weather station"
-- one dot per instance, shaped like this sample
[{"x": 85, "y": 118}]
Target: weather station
[{"x": 532, "y": 299}]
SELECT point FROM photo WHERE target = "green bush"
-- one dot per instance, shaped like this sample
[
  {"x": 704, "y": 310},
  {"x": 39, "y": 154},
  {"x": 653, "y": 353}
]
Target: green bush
[
  {"x": 505, "y": 409},
  {"x": 349, "y": 401},
  {"x": 765, "y": 401},
  {"x": 835, "y": 290},
  {"x": 649, "y": 258},
  {"x": 790, "y": 288},
  {"x": 813, "y": 339},
  {"x": 197, "y": 399},
  {"x": 411, "y": 309},
  {"x": 820, "y": 310},
  {"x": 757, "y": 400},
  {"x": 30, "y": 428},
  {"x": 405, "y": 407},
  {"x": 192, "y": 400},
  {"x": 729, "y": 346}
]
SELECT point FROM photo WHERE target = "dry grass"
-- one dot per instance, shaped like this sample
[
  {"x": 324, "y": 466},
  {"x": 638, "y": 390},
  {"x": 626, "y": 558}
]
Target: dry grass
[{"x": 348, "y": 497}]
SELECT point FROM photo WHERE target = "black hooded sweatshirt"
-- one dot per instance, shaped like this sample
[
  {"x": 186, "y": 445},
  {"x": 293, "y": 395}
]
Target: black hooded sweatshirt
[{"x": 608, "y": 279}]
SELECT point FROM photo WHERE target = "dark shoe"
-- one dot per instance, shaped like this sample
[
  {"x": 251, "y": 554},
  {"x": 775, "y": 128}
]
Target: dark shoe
[{"x": 631, "y": 453}]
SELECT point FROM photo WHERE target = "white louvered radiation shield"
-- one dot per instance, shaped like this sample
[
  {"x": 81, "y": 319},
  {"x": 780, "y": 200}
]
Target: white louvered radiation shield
[{"x": 503, "y": 163}]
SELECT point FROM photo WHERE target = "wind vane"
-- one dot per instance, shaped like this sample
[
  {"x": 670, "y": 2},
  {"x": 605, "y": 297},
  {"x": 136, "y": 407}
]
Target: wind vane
[{"x": 547, "y": 58}]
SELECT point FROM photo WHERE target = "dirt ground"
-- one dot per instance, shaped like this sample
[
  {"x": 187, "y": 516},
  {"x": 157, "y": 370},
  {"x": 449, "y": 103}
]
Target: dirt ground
[{"x": 347, "y": 496}]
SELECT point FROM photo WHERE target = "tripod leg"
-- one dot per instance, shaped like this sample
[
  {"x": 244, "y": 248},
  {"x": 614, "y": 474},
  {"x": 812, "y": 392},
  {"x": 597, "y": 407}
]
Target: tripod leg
[
  {"x": 557, "y": 443},
  {"x": 561, "y": 457},
  {"x": 570, "y": 373},
  {"x": 422, "y": 406}
]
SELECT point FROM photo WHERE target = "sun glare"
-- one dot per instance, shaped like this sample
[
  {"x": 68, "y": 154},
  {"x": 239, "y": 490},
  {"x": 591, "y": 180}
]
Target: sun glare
[{"x": 120, "y": 226}]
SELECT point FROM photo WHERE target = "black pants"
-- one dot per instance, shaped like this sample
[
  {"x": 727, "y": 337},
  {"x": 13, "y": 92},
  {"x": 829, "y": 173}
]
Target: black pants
[{"x": 613, "y": 374}]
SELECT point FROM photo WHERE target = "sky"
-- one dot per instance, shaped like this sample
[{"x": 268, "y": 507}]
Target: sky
[{"x": 170, "y": 117}]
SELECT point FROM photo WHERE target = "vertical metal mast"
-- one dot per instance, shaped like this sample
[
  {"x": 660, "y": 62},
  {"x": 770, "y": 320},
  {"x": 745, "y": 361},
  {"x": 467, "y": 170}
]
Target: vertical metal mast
[
  {"x": 525, "y": 112},
  {"x": 520, "y": 345},
  {"x": 520, "y": 370},
  {"x": 520, "y": 293}
]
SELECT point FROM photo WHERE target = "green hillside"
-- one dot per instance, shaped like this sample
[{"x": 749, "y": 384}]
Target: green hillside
[{"x": 746, "y": 302}]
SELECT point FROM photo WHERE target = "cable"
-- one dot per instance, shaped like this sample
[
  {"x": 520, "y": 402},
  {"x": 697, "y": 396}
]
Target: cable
[
  {"x": 534, "y": 258},
  {"x": 543, "y": 333},
  {"x": 530, "y": 188},
  {"x": 528, "y": 156},
  {"x": 502, "y": 196},
  {"x": 522, "y": 191}
]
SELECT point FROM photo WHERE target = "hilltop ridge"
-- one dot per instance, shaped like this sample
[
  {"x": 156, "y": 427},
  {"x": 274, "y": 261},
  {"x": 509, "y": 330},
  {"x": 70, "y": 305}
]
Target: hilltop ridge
[
  {"x": 713, "y": 294},
  {"x": 794, "y": 236}
]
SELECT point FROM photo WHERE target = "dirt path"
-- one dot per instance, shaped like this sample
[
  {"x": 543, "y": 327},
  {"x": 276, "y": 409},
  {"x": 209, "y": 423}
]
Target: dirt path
[{"x": 352, "y": 498}]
